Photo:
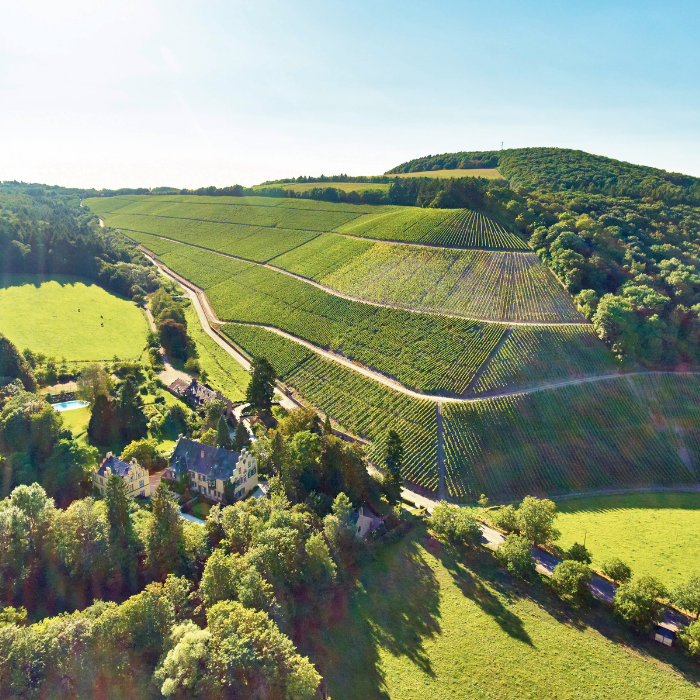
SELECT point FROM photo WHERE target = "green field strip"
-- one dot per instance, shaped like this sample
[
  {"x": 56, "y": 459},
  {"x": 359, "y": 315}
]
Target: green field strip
[
  {"x": 424, "y": 352},
  {"x": 358, "y": 404},
  {"x": 580, "y": 437},
  {"x": 533, "y": 355},
  {"x": 498, "y": 286}
]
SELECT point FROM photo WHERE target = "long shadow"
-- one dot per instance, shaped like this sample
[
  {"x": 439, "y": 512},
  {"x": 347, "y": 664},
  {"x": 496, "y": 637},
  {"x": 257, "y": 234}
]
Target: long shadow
[
  {"x": 394, "y": 606},
  {"x": 473, "y": 588}
]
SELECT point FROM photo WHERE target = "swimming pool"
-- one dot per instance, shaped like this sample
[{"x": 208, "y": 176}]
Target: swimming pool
[{"x": 70, "y": 405}]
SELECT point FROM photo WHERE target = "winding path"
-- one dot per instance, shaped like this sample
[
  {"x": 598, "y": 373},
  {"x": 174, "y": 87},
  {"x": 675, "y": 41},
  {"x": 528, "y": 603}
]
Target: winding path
[
  {"x": 211, "y": 324},
  {"x": 350, "y": 297}
]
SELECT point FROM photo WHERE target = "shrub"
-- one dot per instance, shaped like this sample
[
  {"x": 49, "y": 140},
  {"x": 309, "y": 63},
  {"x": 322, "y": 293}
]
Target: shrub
[
  {"x": 515, "y": 555},
  {"x": 579, "y": 553},
  {"x": 505, "y": 518},
  {"x": 636, "y": 602},
  {"x": 570, "y": 580},
  {"x": 687, "y": 594},
  {"x": 192, "y": 366},
  {"x": 453, "y": 524},
  {"x": 689, "y": 639},
  {"x": 617, "y": 570}
]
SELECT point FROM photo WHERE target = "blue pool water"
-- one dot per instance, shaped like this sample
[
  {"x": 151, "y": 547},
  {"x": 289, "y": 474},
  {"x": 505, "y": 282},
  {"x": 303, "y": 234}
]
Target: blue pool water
[{"x": 70, "y": 405}]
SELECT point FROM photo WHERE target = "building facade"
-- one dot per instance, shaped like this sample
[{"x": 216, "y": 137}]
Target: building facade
[
  {"x": 198, "y": 394},
  {"x": 131, "y": 473},
  {"x": 210, "y": 467}
]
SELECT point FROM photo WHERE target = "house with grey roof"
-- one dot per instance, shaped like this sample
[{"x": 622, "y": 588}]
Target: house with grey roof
[
  {"x": 131, "y": 473},
  {"x": 198, "y": 394},
  {"x": 210, "y": 467}
]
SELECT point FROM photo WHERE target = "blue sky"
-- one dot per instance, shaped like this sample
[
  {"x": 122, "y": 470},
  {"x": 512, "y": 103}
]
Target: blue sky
[{"x": 147, "y": 93}]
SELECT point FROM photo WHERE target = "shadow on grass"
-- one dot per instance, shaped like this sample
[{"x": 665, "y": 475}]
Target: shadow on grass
[
  {"x": 394, "y": 606},
  {"x": 473, "y": 588}
]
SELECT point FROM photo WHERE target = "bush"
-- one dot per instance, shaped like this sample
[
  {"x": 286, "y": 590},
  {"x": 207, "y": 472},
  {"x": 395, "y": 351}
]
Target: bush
[
  {"x": 192, "y": 366},
  {"x": 687, "y": 594},
  {"x": 578, "y": 552},
  {"x": 689, "y": 639},
  {"x": 617, "y": 570},
  {"x": 453, "y": 524},
  {"x": 505, "y": 518},
  {"x": 570, "y": 580},
  {"x": 636, "y": 602},
  {"x": 515, "y": 555}
]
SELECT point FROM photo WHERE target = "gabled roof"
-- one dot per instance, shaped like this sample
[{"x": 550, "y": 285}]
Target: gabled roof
[
  {"x": 214, "y": 462},
  {"x": 179, "y": 386},
  {"x": 117, "y": 466}
]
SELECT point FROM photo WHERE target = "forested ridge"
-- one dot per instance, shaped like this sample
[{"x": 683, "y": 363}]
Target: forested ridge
[{"x": 624, "y": 239}]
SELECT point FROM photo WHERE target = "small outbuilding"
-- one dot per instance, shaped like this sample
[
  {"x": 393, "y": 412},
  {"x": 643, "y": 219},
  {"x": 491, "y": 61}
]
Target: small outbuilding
[{"x": 663, "y": 635}]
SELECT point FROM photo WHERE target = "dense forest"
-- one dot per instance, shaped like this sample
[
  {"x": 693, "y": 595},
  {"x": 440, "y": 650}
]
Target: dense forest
[{"x": 47, "y": 233}]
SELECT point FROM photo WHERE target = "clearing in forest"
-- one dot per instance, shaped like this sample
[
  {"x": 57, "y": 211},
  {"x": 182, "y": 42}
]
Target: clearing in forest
[{"x": 64, "y": 316}]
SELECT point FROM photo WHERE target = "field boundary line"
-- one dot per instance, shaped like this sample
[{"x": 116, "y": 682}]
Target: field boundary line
[
  {"x": 374, "y": 374},
  {"x": 350, "y": 297},
  {"x": 487, "y": 362}
]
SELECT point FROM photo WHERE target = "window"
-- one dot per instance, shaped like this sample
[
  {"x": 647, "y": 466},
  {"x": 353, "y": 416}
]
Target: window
[{"x": 141, "y": 484}]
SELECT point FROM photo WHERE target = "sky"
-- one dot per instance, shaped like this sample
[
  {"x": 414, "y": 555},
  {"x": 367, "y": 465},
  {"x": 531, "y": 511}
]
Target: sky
[{"x": 189, "y": 94}]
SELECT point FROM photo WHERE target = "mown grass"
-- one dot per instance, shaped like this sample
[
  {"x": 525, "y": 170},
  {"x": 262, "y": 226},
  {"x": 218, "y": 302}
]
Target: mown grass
[
  {"x": 488, "y": 173},
  {"x": 343, "y": 186},
  {"x": 64, "y": 316},
  {"x": 655, "y": 533},
  {"x": 424, "y": 623}
]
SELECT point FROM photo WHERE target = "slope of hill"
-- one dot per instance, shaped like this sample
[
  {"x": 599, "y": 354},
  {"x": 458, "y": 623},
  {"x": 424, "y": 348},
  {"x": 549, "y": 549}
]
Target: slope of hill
[{"x": 510, "y": 409}]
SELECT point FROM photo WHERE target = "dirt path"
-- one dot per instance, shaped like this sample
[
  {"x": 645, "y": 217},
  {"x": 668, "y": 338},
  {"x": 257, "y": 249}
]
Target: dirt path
[
  {"x": 194, "y": 294},
  {"x": 208, "y": 319},
  {"x": 350, "y": 297}
]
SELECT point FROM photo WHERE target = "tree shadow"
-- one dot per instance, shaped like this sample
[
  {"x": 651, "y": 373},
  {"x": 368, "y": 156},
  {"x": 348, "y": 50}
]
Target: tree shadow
[
  {"x": 394, "y": 606},
  {"x": 473, "y": 588}
]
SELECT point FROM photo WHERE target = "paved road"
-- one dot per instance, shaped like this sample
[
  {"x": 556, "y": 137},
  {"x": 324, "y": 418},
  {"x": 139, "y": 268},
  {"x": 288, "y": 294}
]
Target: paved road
[{"x": 600, "y": 588}]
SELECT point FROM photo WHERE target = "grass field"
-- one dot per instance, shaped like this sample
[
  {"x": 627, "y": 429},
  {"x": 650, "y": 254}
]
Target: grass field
[
  {"x": 473, "y": 283},
  {"x": 630, "y": 431},
  {"x": 655, "y": 533},
  {"x": 63, "y": 316},
  {"x": 342, "y": 186},
  {"x": 225, "y": 374},
  {"x": 488, "y": 173},
  {"x": 76, "y": 420},
  {"x": 424, "y": 623}
]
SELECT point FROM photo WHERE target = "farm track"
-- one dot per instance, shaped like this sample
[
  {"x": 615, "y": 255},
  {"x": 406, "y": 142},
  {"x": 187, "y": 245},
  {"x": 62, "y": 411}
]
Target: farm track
[
  {"x": 350, "y": 297},
  {"x": 213, "y": 323}
]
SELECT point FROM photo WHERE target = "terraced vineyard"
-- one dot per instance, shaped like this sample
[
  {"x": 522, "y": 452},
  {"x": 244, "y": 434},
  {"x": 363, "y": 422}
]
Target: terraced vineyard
[
  {"x": 536, "y": 355},
  {"x": 357, "y": 403},
  {"x": 428, "y": 353},
  {"x": 575, "y": 438},
  {"x": 479, "y": 284},
  {"x": 456, "y": 228}
]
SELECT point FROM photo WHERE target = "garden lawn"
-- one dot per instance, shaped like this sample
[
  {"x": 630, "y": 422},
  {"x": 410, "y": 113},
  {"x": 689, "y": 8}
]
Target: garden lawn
[
  {"x": 63, "y": 316},
  {"x": 421, "y": 624},
  {"x": 76, "y": 420},
  {"x": 655, "y": 533}
]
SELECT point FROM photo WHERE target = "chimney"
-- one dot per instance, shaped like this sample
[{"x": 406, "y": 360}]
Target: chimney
[{"x": 202, "y": 452}]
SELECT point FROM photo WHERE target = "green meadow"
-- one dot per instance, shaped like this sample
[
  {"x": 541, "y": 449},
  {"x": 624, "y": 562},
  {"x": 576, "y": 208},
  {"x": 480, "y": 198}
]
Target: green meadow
[
  {"x": 422, "y": 623},
  {"x": 655, "y": 533},
  {"x": 65, "y": 316}
]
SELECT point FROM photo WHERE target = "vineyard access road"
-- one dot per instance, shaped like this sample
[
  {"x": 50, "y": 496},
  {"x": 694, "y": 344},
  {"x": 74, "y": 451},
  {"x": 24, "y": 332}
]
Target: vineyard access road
[
  {"x": 210, "y": 323},
  {"x": 350, "y": 297}
]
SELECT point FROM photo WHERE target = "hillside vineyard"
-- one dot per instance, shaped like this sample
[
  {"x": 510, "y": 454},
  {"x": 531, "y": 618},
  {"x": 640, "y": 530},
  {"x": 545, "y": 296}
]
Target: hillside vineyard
[{"x": 503, "y": 375}]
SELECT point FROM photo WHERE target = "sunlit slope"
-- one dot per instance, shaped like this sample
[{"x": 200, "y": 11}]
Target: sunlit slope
[
  {"x": 479, "y": 284},
  {"x": 626, "y": 431}
]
